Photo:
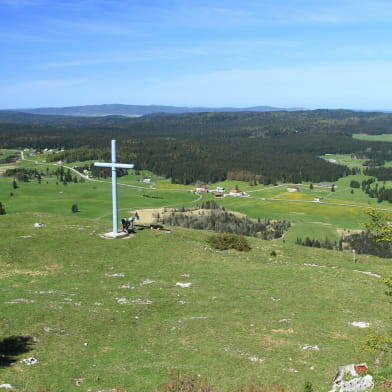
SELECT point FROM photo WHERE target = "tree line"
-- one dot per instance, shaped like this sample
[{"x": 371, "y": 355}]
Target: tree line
[
  {"x": 210, "y": 216},
  {"x": 362, "y": 243},
  {"x": 261, "y": 147}
]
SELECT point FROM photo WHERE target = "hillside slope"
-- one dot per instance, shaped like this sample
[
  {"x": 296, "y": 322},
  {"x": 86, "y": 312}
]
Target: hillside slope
[{"x": 109, "y": 315}]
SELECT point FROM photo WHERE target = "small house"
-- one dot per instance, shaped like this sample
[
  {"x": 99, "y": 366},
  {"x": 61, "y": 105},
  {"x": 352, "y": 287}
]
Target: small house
[
  {"x": 317, "y": 199},
  {"x": 292, "y": 189},
  {"x": 236, "y": 192},
  {"x": 202, "y": 189}
]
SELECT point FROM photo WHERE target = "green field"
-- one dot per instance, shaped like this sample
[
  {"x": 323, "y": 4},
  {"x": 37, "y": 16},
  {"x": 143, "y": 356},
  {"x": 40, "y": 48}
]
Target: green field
[
  {"x": 374, "y": 138},
  {"x": 246, "y": 317},
  {"x": 107, "y": 315},
  {"x": 340, "y": 209}
]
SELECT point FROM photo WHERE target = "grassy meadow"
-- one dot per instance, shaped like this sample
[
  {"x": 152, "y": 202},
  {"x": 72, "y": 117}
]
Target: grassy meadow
[
  {"x": 107, "y": 315},
  {"x": 374, "y": 138}
]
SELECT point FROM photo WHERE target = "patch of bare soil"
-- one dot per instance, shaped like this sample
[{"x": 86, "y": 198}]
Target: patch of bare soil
[
  {"x": 348, "y": 232},
  {"x": 4, "y": 168},
  {"x": 149, "y": 215},
  {"x": 385, "y": 386}
]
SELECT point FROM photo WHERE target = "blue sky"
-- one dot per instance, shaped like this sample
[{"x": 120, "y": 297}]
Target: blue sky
[{"x": 292, "y": 53}]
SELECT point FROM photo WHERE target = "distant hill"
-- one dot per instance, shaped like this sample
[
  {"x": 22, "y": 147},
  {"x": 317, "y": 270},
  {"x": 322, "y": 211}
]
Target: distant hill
[{"x": 139, "y": 110}]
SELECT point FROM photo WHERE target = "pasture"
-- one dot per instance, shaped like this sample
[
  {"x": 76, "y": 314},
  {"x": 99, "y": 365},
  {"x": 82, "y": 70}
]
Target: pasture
[
  {"x": 385, "y": 137},
  {"x": 107, "y": 315},
  {"x": 340, "y": 209}
]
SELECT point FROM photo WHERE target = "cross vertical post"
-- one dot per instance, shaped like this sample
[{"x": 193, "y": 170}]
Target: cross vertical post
[
  {"x": 114, "y": 188},
  {"x": 114, "y": 167}
]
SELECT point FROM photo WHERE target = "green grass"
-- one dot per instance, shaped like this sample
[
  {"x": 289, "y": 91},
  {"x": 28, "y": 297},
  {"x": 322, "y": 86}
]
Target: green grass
[
  {"x": 374, "y": 138},
  {"x": 345, "y": 159},
  {"x": 245, "y": 318},
  {"x": 240, "y": 307}
]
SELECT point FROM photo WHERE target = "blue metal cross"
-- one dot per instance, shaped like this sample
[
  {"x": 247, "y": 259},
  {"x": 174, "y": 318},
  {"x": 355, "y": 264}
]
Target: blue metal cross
[{"x": 114, "y": 167}]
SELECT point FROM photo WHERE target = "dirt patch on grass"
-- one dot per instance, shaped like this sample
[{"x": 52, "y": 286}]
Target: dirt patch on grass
[
  {"x": 290, "y": 330},
  {"x": 342, "y": 232},
  {"x": 4, "y": 168},
  {"x": 385, "y": 386},
  {"x": 149, "y": 215},
  {"x": 8, "y": 274},
  {"x": 270, "y": 343}
]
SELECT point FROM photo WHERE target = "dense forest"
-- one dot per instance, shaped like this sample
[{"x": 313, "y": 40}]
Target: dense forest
[
  {"x": 259, "y": 147},
  {"x": 359, "y": 243}
]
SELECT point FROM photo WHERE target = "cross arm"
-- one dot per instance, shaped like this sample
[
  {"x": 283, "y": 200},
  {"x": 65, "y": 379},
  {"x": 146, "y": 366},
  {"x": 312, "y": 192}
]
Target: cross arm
[{"x": 114, "y": 165}]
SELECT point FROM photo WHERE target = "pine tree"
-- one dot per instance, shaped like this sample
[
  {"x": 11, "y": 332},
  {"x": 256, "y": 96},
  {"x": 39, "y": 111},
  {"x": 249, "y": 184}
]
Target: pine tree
[{"x": 2, "y": 209}]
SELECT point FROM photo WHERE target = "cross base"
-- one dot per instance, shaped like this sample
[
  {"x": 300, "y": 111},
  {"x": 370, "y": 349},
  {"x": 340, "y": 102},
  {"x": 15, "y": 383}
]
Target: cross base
[{"x": 113, "y": 235}]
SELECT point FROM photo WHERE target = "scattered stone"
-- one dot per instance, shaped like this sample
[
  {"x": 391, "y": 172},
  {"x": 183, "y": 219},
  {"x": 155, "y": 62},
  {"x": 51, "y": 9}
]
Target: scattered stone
[
  {"x": 126, "y": 286},
  {"x": 341, "y": 383},
  {"x": 122, "y": 301},
  {"x": 140, "y": 301},
  {"x": 275, "y": 299},
  {"x": 115, "y": 275},
  {"x": 30, "y": 361},
  {"x": 293, "y": 370},
  {"x": 359, "y": 384},
  {"x": 253, "y": 358},
  {"x": 43, "y": 292},
  {"x": 148, "y": 281},
  {"x": 360, "y": 324},
  {"x": 24, "y": 236},
  {"x": 182, "y": 302},
  {"x": 78, "y": 382},
  {"x": 37, "y": 224},
  {"x": 285, "y": 320},
  {"x": 310, "y": 348},
  {"x": 185, "y": 275},
  {"x": 193, "y": 318},
  {"x": 85, "y": 344},
  {"x": 20, "y": 301},
  {"x": 6, "y": 386},
  {"x": 57, "y": 331},
  {"x": 183, "y": 285}
]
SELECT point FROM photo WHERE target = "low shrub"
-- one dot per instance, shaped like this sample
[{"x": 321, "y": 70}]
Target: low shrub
[
  {"x": 180, "y": 383},
  {"x": 224, "y": 241}
]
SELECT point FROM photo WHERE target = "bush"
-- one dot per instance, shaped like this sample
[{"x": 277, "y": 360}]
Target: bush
[
  {"x": 224, "y": 241},
  {"x": 355, "y": 184},
  {"x": 74, "y": 208},
  {"x": 180, "y": 383}
]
